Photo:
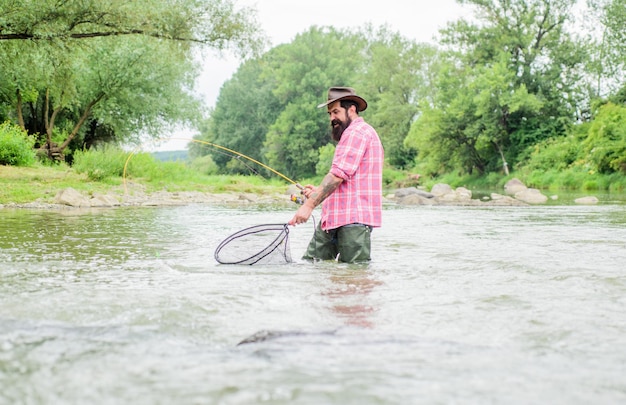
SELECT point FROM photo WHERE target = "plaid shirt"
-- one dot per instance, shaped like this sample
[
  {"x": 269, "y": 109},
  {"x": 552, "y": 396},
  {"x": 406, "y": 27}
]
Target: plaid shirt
[{"x": 358, "y": 161}]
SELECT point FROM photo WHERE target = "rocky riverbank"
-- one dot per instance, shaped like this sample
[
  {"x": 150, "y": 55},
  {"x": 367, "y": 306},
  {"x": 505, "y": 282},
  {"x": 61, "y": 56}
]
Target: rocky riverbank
[{"x": 515, "y": 194}]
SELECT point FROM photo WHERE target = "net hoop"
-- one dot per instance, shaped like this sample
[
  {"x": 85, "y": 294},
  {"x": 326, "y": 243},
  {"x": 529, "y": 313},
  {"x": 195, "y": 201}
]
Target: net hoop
[{"x": 281, "y": 241}]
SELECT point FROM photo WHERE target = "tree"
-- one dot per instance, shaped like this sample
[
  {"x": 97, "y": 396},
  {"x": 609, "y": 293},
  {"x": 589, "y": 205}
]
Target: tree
[
  {"x": 214, "y": 23},
  {"x": 606, "y": 142},
  {"x": 127, "y": 85},
  {"x": 301, "y": 74},
  {"x": 125, "y": 66},
  {"x": 245, "y": 109},
  {"x": 610, "y": 52},
  {"x": 520, "y": 80},
  {"x": 268, "y": 109},
  {"x": 269, "y": 106},
  {"x": 399, "y": 73}
]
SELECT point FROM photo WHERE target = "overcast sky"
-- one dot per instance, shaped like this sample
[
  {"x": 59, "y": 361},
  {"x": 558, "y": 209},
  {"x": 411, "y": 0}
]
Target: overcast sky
[{"x": 282, "y": 20}]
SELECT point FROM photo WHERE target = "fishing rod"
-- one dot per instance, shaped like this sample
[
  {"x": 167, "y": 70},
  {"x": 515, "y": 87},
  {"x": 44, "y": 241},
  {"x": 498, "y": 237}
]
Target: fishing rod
[{"x": 295, "y": 199}]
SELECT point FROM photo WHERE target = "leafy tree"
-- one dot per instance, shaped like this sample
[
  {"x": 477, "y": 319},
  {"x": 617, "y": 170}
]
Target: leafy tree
[
  {"x": 122, "y": 67},
  {"x": 441, "y": 132},
  {"x": 127, "y": 85},
  {"x": 301, "y": 74},
  {"x": 606, "y": 142},
  {"x": 512, "y": 81},
  {"x": 245, "y": 109},
  {"x": 326, "y": 154},
  {"x": 596, "y": 146},
  {"x": 267, "y": 110},
  {"x": 556, "y": 154},
  {"x": 399, "y": 74},
  {"x": 215, "y": 23},
  {"x": 610, "y": 52}
]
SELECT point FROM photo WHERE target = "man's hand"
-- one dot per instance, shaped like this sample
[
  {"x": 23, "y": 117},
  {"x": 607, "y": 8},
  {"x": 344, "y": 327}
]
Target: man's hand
[
  {"x": 314, "y": 197},
  {"x": 308, "y": 189},
  {"x": 303, "y": 214}
]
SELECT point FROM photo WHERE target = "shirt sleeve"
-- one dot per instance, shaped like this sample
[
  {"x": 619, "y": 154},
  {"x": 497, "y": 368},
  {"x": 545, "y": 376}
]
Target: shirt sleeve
[{"x": 348, "y": 154}]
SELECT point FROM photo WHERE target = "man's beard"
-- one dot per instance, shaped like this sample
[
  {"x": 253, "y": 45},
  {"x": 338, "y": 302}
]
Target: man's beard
[{"x": 338, "y": 127}]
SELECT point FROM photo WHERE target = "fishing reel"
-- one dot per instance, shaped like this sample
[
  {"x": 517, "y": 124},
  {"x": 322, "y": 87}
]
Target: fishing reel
[{"x": 298, "y": 199}]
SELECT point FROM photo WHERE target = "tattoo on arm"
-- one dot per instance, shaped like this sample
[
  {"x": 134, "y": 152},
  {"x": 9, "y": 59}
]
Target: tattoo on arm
[{"x": 326, "y": 188}]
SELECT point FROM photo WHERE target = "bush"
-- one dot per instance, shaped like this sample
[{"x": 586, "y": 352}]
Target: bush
[
  {"x": 100, "y": 163},
  {"x": 110, "y": 161},
  {"x": 395, "y": 178},
  {"x": 325, "y": 160},
  {"x": 551, "y": 154},
  {"x": 205, "y": 165},
  {"x": 606, "y": 143},
  {"x": 16, "y": 147}
]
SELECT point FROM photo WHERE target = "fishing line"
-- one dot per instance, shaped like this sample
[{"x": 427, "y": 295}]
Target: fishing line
[{"x": 238, "y": 154}]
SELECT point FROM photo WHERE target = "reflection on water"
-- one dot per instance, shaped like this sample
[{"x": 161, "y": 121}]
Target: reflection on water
[
  {"x": 348, "y": 296},
  {"x": 469, "y": 305}
]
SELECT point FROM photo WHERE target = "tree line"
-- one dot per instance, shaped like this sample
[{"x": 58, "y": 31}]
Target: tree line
[
  {"x": 74, "y": 74},
  {"x": 491, "y": 95},
  {"x": 529, "y": 84}
]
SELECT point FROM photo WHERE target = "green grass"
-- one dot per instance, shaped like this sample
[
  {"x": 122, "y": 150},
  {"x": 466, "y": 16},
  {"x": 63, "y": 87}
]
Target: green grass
[
  {"x": 113, "y": 170},
  {"x": 27, "y": 184}
]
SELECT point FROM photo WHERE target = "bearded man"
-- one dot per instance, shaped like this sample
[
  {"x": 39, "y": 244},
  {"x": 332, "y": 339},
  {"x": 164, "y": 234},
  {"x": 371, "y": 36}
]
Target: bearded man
[{"x": 351, "y": 193}]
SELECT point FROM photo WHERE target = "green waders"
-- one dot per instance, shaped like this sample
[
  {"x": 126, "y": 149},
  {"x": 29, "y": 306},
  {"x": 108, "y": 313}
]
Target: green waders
[{"x": 348, "y": 243}]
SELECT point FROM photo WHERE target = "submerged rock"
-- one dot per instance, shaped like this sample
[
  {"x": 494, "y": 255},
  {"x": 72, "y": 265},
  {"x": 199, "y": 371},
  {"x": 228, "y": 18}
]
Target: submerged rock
[
  {"x": 265, "y": 335},
  {"x": 591, "y": 200}
]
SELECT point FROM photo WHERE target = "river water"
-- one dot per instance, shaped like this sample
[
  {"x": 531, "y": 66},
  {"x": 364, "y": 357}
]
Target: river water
[{"x": 459, "y": 305}]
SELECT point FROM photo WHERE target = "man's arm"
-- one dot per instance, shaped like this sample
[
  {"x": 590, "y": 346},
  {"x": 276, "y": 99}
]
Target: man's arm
[
  {"x": 315, "y": 196},
  {"x": 327, "y": 187}
]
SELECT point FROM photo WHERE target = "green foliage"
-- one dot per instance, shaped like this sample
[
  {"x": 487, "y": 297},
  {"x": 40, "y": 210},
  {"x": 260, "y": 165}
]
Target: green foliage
[
  {"x": 606, "y": 143},
  {"x": 611, "y": 61},
  {"x": 326, "y": 154},
  {"x": 16, "y": 146},
  {"x": 292, "y": 145},
  {"x": 214, "y": 23},
  {"x": 204, "y": 165},
  {"x": 398, "y": 73},
  {"x": 245, "y": 109},
  {"x": 508, "y": 84},
  {"x": 575, "y": 179},
  {"x": 124, "y": 66},
  {"x": 591, "y": 157},
  {"x": 550, "y": 154},
  {"x": 393, "y": 178},
  {"x": 514, "y": 83},
  {"x": 106, "y": 163},
  {"x": 268, "y": 109},
  {"x": 499, "y": 90},
  {"x": 102, "y": 163},
  {"x": 301, "y": 74}
]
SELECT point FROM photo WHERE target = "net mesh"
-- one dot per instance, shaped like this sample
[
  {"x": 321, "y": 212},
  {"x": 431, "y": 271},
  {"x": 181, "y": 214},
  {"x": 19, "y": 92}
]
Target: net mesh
[{"x": 260, "y": 244}]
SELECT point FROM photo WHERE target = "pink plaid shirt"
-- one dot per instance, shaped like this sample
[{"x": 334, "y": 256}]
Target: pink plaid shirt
[{"x": 358, "y": 161}]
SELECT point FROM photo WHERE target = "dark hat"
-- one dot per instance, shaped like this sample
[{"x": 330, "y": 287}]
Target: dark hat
[{"x": 344, "y": 93}]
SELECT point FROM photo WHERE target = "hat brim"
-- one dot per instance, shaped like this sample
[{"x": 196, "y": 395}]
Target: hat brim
[{"x": 358, "y": 100}]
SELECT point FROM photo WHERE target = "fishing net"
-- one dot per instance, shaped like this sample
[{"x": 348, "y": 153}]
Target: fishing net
[{"x": 260, "y": 244}]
